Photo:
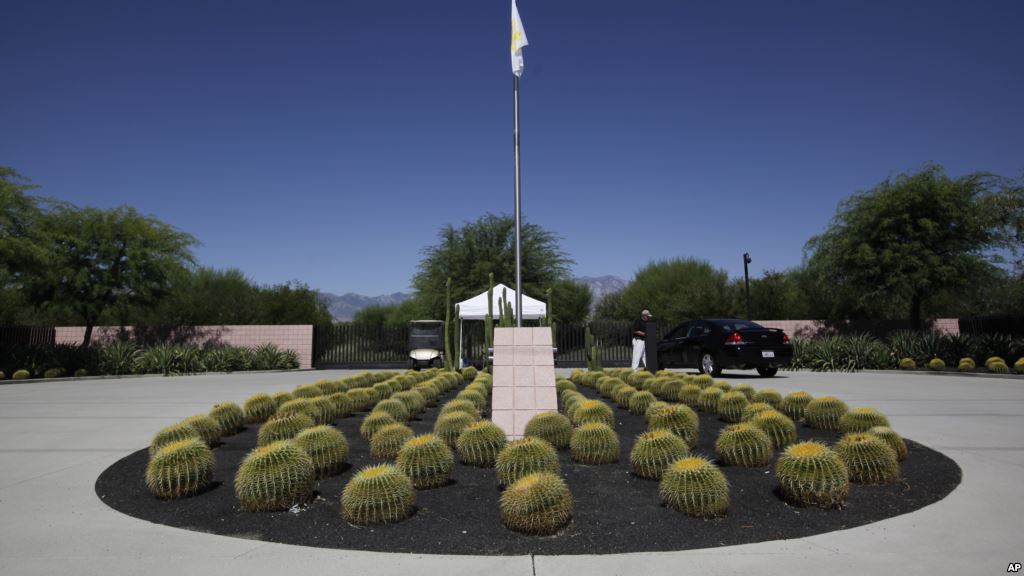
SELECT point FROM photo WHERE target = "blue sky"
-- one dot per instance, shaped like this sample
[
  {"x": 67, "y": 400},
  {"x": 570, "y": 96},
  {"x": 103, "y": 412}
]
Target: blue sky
[{"x": 329, "y": 141}]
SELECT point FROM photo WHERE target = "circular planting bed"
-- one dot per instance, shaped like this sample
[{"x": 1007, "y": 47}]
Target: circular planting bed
[{"x": 614, "y": 510}]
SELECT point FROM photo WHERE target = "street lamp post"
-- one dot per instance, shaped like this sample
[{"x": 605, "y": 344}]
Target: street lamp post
[{"x": 746, "y": 280}]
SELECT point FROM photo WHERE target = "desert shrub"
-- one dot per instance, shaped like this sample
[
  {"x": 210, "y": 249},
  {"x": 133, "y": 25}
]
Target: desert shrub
[
  {"x": 894, "y": 440},
  {"x": 386, "y": 442},
  {"x": 653, "y": 451},
  {"x": 744, "y": 445},
  {"x": 479, "y": 443},
  {"x": 539, "y": 503},
  {"x": 378, "y": 495},
  {"x": 326, "y": 446},
  {"x": 426, "y": 460},
  {"x": 861, "y": 419},
  {"x": 594, "y": 443},
  {"x": 275, "y": 477},
  {"x": 551, "y": 426},
  {"x": 180, "y": 469},
  {"x": 228, "y": 416},
  {"x": 731, "y": 406},
  {"x": 824, "y": 412},
  {"x": 282, "y": 427},
  {"x": 794, "y": 404},
  {"x": 695, "y": 487},
  {"x": 809, "y": 473},
  {"x": 679, "y": 419},
  {"x": 868, "y": 458},
  {"x": 258, "y": 407},
  {"x": 525, "y": 456}
]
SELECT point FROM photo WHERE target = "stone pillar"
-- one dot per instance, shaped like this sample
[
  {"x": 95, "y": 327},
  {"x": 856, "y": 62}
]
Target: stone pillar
[{"x": 524, "y": 377}]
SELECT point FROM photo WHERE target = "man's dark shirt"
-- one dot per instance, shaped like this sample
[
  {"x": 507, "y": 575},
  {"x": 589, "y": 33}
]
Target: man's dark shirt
[{"x": 639, "y": 326}]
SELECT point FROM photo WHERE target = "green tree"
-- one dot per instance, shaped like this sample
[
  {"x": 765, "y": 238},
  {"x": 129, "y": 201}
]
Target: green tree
[
  {"x": 97, "y": 260},
  {"x": 773, "y": 296},
  {"x": 570, "y": 301},
  {"x": 907, "y": 240},
  {"x": 468, "y": 254},
  {"x": 20, "y": 233},
  {"x": 675, "y": 290}
]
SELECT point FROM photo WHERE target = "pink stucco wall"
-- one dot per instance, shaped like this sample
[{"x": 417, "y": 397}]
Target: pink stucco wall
[
  {"x": 808, "y": 328},
  {"x": 293, "y": 337}
]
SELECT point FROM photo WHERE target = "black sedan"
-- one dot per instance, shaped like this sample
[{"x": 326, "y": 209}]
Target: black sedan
[{"x": 711, "y": 345}]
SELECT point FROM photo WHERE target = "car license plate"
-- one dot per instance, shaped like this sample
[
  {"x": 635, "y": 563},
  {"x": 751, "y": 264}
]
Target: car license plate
[{"x": 767, "y": 354}]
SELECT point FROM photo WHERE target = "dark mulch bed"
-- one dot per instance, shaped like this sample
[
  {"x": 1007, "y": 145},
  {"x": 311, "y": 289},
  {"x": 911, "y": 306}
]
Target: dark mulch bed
[{"x": 614, "y": 511}]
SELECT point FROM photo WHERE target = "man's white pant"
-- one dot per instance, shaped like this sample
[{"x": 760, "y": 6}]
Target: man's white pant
[{"x": 638, "y": 353}]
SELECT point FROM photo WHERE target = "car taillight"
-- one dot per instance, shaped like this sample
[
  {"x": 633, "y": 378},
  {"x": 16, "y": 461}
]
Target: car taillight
[
  {"x": 734, "y": 338},
  {"x": 785, "y": 339}
]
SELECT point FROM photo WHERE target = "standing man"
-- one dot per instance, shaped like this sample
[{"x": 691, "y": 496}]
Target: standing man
[{"x": 639, "y": 337}]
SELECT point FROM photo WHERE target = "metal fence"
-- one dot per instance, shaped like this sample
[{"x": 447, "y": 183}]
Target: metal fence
[
  {"x": 1012, "y": 325},
  {"x": 11, "y": 336},
  {"x": 361, "y": 345}
]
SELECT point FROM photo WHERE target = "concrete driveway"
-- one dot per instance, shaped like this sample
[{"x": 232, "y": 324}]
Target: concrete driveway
[{"x": 57, "y": 437}]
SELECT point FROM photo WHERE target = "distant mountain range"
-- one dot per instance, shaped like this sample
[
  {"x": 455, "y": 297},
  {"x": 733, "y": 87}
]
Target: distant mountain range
[{"x": 344, "y": 307}]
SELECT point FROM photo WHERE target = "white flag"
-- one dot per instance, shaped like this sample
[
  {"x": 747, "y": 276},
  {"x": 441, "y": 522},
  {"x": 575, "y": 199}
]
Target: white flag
[{"x": 518, "y": 41}]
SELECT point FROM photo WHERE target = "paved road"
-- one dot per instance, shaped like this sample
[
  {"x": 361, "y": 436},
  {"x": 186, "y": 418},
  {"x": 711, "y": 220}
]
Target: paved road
[{"x": 56, "y": 438}]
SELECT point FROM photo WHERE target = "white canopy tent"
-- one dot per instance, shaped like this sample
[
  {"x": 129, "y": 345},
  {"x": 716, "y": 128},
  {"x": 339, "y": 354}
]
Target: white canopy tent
[{"x": 475, "y": 308}]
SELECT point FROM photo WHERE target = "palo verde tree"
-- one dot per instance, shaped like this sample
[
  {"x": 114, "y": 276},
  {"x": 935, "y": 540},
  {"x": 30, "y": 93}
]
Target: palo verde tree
[
  {"x": 909, "y": 239},
  {"x": 470, "y": 253},
  {"x": 96, "y": 260}
]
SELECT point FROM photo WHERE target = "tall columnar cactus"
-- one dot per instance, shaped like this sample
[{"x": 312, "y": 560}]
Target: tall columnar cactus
[
  {"x": 207, "y": 427},
  {"x": 258, "y": 407},
  {"x": 679, "y": 419},
  {"x": 489, "y": 318},
  {"x": 825, "y": 412},
  {"x": 593, "y": 411},
  {"x": 894, "y": 440},
  {"x": 869, "y": 459},
  {"x": 695, "y": 487},
  {"x": 386, "y": 442},
  {"x": 779, "y": 428},
  {"x": 862, "y": 419},
  {"x": 283, "y": 427},
  {"x": 449, "y": 426},
  {"x": 744, "y": 445},
  {"x": 179, "y": 469},
  {"x": 173, "y": 433},
  {"x": 594, "y": 443},
  {"x": 809, "y": 473},
  {"x": 228, "y": 416},
  {"x": 707, "y": 401},
  {"x": 327, "y": 447},
  {"x": 654, "y": 451},
  {"x": 378, "y": 495},
  {"x": 731, "y": 406},
  {"x": 525, "y": 456},
  {"x": 426, "y": 460},
  {"x": 769, "y": 396},
  {"x": 275, "y": 477},
  {"x": 550, "y": 426},
  {"x": 794, "y": 404},
  {"x": 639, "y": 402},
  {"x": 448, "y": 364},
  {"x": 539, "y": 503},
  {"x": 457, "y": 347},
  {"x": 479, "y": 443},
  {"x": 588, "y": 343},
  {"x": 373, "y": 422}
]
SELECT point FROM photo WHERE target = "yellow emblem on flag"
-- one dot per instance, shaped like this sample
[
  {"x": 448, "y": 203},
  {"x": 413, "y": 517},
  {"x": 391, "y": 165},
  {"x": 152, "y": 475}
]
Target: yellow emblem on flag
[{"x": 518, "y": 41}]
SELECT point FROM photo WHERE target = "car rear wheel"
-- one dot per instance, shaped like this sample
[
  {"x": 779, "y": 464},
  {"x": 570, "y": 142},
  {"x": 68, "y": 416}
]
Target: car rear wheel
[
  {"x": 708, "y": 365},
  {"x": 768, "y": 371}
]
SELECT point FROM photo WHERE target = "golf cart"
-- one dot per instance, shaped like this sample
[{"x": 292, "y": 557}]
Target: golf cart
[{"x": 426, "y": 343}]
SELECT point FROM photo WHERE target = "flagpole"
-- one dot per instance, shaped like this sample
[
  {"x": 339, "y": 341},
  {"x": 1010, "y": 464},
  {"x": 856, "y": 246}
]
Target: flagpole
[{"x": 519, "y": 261}]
